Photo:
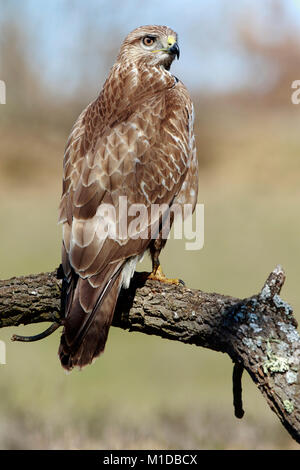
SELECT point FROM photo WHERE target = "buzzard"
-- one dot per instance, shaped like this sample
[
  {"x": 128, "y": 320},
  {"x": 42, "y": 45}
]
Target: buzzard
[{"x": 135, "y": 142}]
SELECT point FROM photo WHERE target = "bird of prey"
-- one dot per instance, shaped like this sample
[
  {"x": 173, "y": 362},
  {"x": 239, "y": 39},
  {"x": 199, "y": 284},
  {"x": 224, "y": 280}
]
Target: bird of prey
[{"x": 135, "y": 141}]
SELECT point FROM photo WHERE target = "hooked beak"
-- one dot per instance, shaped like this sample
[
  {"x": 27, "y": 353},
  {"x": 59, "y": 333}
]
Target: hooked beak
[{"x": 174, "y": 50}]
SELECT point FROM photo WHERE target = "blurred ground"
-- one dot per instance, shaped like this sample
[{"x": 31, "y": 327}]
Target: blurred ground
[{"x": 146, "y": 392}]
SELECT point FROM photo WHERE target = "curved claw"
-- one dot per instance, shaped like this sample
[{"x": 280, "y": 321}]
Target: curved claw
[{"x": 158, "y": 275}]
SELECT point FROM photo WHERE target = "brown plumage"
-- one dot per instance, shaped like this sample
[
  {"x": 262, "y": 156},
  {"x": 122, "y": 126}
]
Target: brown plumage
[{"x": 135, "y": 140}]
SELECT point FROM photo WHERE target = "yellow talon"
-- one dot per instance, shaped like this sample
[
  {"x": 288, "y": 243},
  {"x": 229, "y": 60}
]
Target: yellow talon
[{"x": 158, "y": 275}]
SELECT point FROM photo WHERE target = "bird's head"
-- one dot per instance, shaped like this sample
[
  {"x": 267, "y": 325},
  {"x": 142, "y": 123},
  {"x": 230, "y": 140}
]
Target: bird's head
[{"x": 150, "y": 45}]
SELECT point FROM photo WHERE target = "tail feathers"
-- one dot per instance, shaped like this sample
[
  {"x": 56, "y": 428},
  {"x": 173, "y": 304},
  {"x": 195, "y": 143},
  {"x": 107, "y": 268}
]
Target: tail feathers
[{"x": 85, "y": 333}]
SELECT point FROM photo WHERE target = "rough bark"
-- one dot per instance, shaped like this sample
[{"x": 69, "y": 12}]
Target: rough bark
[{"x": 258, "y": 333}]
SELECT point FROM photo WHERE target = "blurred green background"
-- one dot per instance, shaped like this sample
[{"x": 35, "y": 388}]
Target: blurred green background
[{"x": 239, "y": 63}]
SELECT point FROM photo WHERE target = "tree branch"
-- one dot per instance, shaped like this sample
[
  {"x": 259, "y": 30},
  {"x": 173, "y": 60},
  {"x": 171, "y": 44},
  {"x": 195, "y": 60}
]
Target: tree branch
[{"x": 258, "y": 333}]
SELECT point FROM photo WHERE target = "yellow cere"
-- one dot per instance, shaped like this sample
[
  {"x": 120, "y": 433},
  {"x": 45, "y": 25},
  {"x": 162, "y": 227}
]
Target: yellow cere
[{"x": 171, "y": 40}]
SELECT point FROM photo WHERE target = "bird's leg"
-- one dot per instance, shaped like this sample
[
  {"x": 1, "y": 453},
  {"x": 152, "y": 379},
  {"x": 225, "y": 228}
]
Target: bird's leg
[
  {"x": 157, "y": 272},
  {"x": 158, "y": 275}
]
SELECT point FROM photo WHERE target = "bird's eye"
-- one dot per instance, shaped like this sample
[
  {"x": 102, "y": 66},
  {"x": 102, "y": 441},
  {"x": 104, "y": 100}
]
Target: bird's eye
[{"x": 148, "y": 41}]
